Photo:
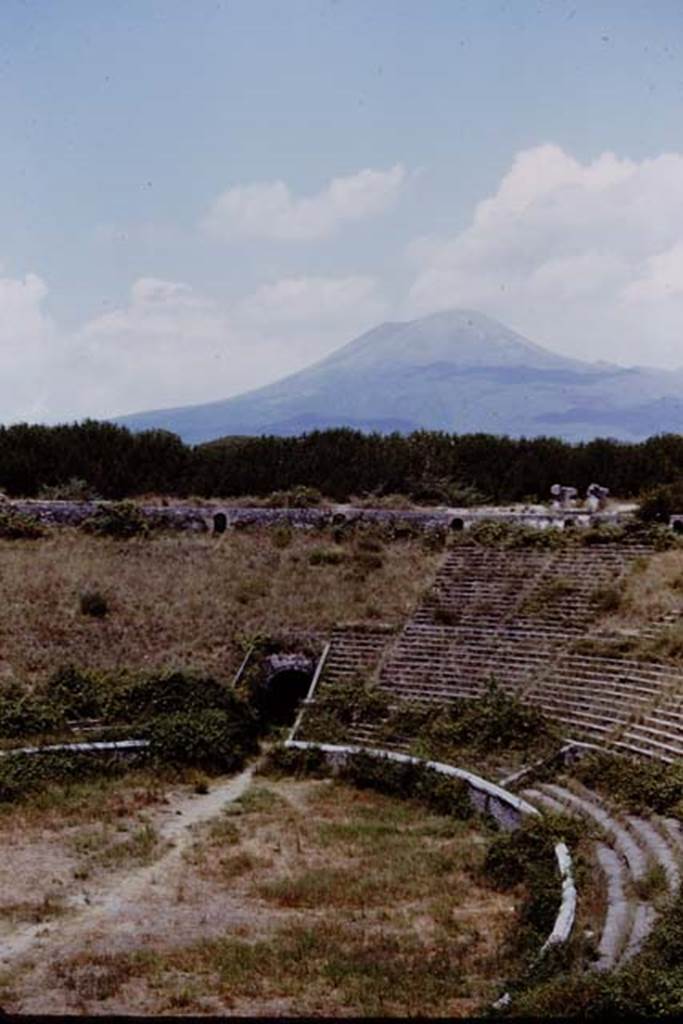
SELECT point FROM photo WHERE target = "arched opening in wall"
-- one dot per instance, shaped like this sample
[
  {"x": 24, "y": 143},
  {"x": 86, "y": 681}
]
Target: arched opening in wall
[
  {"x": 220, "y": 522},
  {"x": 284, "y": 693},
  {"x": 457, "y": 524},
  {"x": 677, "y": 526},
  {"x": 570, "y": 524}
]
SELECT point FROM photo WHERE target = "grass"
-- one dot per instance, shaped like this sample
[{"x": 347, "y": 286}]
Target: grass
[
  {"x": 373, "y": 908},
  {"x": 102, "y": 800},
  {"x": 104, "y": 847},
  {"x": 179, "y": 600},
  {"x": 653, "y": 588},
  {"x": 33, "y": 912}
]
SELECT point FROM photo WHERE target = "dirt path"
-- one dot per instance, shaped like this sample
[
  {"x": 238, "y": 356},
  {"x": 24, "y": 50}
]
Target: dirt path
[{"x": 106, "y": 903}]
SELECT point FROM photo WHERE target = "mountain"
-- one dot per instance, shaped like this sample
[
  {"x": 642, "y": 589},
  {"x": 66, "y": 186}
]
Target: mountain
[{"x": 457, "y": 371}]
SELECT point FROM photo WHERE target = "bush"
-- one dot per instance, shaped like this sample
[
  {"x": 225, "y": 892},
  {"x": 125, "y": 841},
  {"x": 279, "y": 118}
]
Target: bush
[
  {"x": 659, "y": 503},
  {"x": 76, "y": 693},
  {"x": 326, "y": 556},
  {"x": 441, "y": 793},
  {"x": 281, "y": 537},
  {"x": 495, "y": 721},
  {"x": 607, "y": 598},
  {"x": 527, "y": 856},
  {"x": 21, "y": 774},
  {"x": 21, "y": 715},
  {"x": 18, "y": 526},
  {"x": 296, "y": 497},
  {"x": 281, "y": 760},
  {"x": 93, "y": 603},
  {"x": 212, "y": 740},
  {"x": 122, "y": 520},
  {"x": 431, "y": 490},
  {"x": 640, "y": 785},
  {"x": 339, "y": 707},
  {"x": 167, "y": 693},
  {"x": 501, "y": 534},
  {"x": 74, "y": 489}
]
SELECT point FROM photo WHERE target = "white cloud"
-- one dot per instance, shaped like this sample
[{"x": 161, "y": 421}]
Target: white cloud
[
  {"x": 269, "y": 210},
  {"x": 308, "y": 299},
  {"x": 30, "y": 348},
  {"x": 587, "y": 258},
  {"x": 169, "y": 344}
]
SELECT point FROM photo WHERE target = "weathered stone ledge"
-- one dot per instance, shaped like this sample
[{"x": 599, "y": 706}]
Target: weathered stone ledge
[{"x": 217, "y": 518}]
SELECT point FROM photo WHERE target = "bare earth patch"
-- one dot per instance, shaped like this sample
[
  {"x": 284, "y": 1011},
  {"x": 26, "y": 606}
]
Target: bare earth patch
[{"x": 267, "y": 897}]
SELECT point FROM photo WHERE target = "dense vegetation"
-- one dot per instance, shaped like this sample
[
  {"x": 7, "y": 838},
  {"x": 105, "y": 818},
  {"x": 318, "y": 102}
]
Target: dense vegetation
[{"x": 428, "y": 466}]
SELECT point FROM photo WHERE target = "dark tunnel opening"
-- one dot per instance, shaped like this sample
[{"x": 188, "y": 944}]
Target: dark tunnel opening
[{"x": 284, "y": 694}]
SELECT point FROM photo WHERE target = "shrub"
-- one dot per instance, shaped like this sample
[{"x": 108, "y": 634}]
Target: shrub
[
  {"x": 368, "y": 561},
  {"x": 441, "y": 793},
  {"x": 93, "y": 603},
  {"x": 296, "y": 497},
  {"x": 74, "y": 489},
  {"x": 281, "y": 537},
  {"x": 77, "y": 693},
  {"x": 21, "y": 774},
  {"x": 431, "y": 490},
  {"x": 338, "y": 707},
  {"x": 501, "y": 534},
  {"x": 607, "y": 598},
  {"x": 18, "y": 526},
  {"x": 527, "y": 856},
  {"x": 167, "y": 693},
  {"x": 212, "y": 740},
  {"x": 659, "y": 503},
  {"x": 495, "y": 721},
  {"x": 326, "y": 556},
  {"x": 22, "y": 715},
  {"x": 640, "y": 785},
  {"x": 281, "y": 760},
  {"x": 120, "y": 519}
]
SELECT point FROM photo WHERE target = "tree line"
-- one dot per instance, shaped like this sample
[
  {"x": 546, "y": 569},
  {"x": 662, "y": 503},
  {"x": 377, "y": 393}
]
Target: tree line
[{"x": 340, "y": 463}]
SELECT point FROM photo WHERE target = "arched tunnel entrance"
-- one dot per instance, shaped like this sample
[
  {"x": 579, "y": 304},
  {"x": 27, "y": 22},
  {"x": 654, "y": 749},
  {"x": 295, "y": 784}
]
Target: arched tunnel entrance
[{"x": 284, "y": 692}]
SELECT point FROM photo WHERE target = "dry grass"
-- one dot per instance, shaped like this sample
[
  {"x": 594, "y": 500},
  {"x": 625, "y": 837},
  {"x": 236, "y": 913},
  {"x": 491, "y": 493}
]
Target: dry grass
[
  {"x": 182, "y": 600},
  {"x": 652, "y": 589},
  {"x": 105, "y": 801},
  {"x": 385, "y": 910},
  {"x": 397, "y": 921}
]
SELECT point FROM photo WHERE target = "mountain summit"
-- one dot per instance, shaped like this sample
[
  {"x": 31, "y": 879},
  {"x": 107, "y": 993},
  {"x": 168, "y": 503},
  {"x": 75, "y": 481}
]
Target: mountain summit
[{"x": 458, "y": 371}]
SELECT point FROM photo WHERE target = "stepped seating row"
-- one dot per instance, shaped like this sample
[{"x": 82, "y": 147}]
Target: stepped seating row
[
  {"x": 565, "y": 592},
  {"x": 488, "y": 586},
  {"x": 595, "y": 696},
  {"x": 620, "y": 702},
  {"x": 460, "y": 662},
  {"x": 479, "y": 585},
  {"x": 353, "y": 651},
  {"x": 659, "y": 733},
  {"x": 631, "y": 847}
]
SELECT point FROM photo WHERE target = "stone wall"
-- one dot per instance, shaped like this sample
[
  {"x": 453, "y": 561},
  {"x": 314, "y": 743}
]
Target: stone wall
[{"x": 204, "y": 518}]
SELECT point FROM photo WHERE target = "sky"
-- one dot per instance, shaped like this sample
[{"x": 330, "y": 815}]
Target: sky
[{"x": 200, "y": 196}]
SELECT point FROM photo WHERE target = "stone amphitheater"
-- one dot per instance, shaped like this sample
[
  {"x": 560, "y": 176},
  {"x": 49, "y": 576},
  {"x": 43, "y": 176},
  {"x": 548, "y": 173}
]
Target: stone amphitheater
[
  {"x": 488, "y": 614},
  {"x": 524, "y": 617}
]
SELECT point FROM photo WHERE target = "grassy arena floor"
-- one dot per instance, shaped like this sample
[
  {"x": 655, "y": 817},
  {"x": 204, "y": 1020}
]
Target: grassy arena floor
[
  {"x": 188, "y": 601},
  {"x": 302, "y": 897}
]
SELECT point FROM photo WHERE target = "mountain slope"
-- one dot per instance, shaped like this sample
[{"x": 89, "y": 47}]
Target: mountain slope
[{"x": 457, "y": 371}]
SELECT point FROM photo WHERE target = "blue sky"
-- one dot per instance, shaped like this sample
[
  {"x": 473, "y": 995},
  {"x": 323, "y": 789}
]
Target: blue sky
[{"x": 170, "y": 227}]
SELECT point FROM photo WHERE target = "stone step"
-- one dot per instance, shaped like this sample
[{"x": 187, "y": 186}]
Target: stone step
[
  {"x": 658, "y": 849},
  {"x": 616, "y": 929},
  {"x": 591, "y": 808}
]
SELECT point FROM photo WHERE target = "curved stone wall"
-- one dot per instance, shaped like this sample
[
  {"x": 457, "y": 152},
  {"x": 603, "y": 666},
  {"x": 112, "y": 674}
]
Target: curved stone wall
[{"x": 506, "y": 808}]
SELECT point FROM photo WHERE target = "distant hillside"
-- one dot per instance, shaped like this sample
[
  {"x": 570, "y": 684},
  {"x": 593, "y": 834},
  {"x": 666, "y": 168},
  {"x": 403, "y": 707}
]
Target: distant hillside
[{"x": 457, "y": 371}]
